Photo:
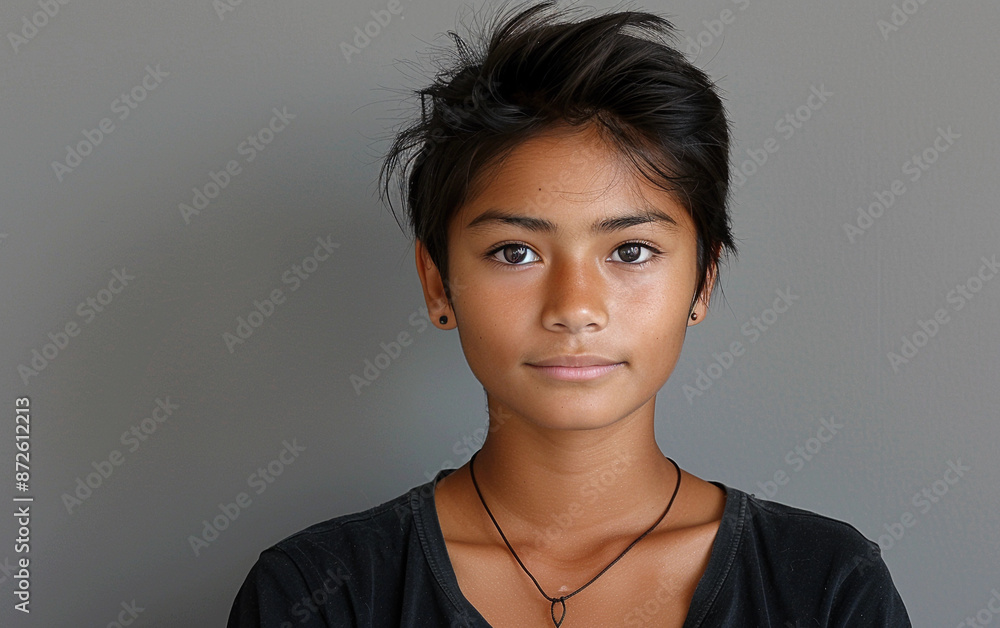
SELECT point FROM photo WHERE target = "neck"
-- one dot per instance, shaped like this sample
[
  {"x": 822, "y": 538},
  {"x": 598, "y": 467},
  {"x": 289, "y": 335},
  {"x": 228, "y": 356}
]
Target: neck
[{"x": 561, "y": 489}]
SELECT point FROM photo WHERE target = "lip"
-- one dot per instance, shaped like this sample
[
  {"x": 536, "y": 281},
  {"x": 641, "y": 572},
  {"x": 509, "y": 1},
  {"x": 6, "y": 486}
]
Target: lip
[
  {"x": 576, "y": 368},
  {"x": 575, "y": 361}
]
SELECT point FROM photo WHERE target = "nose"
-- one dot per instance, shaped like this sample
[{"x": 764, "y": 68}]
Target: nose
[{"x": 575, "y": 298}]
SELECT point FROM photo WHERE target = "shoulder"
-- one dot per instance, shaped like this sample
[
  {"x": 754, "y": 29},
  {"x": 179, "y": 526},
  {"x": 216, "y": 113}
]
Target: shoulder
[
  {"x": 808, "y": 547},
  {"x": 781, "y": 561},
  {"x": 325, "y": 573},
  {"x": 797, "y": 531},
  {"x": 375, "y": 535}
]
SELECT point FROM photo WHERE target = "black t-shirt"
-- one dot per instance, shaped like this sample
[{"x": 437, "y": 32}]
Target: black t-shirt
[{"x": 770, "y": 565}]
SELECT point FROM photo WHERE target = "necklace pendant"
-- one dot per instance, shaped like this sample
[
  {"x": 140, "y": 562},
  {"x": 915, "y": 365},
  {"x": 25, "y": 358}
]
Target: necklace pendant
[{"x": 558, "y": 622}]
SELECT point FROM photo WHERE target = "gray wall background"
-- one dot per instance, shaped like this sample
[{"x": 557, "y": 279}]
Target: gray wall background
[{"x": 62, "y": 238}]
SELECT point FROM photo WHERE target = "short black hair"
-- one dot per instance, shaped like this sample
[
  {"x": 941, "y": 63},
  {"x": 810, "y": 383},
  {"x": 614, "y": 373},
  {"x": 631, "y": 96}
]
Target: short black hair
[{"x": 537, "y": 69}]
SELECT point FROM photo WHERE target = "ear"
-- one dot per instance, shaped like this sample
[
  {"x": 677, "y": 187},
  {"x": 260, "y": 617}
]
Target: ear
[
  {"x": 701, "y": 305},
  {"x": 433, "y": 285}
]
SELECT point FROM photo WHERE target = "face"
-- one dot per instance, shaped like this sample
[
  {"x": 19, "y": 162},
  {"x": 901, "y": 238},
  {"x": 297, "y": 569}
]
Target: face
[{"x": 564, "y": 254}]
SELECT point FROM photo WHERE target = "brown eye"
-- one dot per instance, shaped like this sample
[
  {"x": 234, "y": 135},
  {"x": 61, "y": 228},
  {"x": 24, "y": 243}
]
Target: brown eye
[
  {"x": 629, "y": 252},
  {"x": 513, "y": 254},
  {"x": 635, "y": 253}
]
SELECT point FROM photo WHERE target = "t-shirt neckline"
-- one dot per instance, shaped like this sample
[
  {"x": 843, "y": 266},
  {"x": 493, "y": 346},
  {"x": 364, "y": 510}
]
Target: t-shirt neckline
[{"x": 720, "y": 561}]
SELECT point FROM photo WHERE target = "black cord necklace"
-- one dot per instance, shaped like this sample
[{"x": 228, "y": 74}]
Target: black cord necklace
[{"x": 562, "y": 599}]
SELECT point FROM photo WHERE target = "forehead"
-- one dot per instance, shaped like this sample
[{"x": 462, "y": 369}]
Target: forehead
[{"x": 566, "y": 176}]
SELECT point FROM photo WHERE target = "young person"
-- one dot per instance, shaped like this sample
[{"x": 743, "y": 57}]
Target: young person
[{"x": 567, "y": 186}]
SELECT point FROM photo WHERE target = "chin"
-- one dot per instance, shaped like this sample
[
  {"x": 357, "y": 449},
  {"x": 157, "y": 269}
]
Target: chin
[{"x": 576, "y": 416}]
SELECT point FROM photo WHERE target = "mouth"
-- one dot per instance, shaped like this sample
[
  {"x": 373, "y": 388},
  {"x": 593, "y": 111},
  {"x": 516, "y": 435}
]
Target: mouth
[
  {"x": 576, "y": 367},
  {"x": 576, "y": 361}
]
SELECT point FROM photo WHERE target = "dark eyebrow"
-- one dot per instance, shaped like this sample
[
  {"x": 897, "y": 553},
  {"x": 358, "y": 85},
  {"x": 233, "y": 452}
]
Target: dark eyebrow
[{"x": 608, "y": 225}]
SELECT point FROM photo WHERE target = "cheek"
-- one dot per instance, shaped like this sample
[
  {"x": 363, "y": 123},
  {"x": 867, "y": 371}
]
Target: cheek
[
  {"x": 489, "y": 322},
  {"x": 660, "y": 301},
  {"x": 657, "y": 320}
]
